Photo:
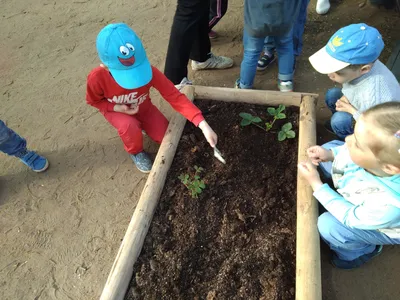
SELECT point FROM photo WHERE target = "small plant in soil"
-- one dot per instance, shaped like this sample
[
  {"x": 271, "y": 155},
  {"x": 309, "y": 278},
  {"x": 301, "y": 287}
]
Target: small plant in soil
[
  {"x": 286, "y": 131},
  {"x": 194, "y": 184}
]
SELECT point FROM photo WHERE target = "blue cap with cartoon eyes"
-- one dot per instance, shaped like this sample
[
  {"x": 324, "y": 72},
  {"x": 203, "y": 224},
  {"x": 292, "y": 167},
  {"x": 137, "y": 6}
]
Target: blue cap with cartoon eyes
[{"x": 121, "y": 50}]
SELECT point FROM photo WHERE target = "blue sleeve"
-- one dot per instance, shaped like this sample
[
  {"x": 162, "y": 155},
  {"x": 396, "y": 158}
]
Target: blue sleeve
[{"x": 357, "y": 216}]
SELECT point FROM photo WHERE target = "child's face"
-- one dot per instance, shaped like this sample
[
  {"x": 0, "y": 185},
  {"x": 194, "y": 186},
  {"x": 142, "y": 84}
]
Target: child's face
[
  {"x": 344, "y": 75},
  {"x": 348, "y": 74},
  {"x": 358, "y": 146}
]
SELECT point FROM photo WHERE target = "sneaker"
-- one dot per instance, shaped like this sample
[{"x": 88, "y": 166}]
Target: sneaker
[
  {"x": 237, "y": 84},
  {"x": 142, "y": 162},
  {"x": 34, "y": 161},
  {"x": 212, "y": 35},
  {"x": 184, "y": 82},
  {"x": 285, "y": 86},
  {"x": 356, "y": 263},
  {"x": 265, "y": 61},
  {"x": 214, "y": 62}
]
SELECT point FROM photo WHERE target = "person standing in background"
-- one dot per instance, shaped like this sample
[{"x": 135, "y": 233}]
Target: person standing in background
[
  {"x": 218, "y": 9},
  {"x": 189, "y": 40}
]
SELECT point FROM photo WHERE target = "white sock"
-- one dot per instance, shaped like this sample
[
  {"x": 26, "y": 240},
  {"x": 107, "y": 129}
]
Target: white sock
[{"x": 323, "y": 7}]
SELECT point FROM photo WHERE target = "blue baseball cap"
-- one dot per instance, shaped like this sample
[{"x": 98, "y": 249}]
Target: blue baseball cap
[
  {"x": 121, "y": 50},
  {"x": 355, "y": 44}
]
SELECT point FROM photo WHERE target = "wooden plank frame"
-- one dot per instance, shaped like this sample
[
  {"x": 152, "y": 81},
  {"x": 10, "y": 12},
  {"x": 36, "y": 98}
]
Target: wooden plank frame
[{"x": 308, "y": 266}]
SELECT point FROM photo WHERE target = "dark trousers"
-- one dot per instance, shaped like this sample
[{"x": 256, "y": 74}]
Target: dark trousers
[
  {"x": 218, "y": 9},
  {"x": 188, "y": 38}
]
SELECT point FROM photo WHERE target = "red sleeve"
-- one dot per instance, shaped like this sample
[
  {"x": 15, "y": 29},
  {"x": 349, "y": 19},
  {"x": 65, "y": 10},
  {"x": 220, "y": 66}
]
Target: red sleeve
[
  {"x": 95, "y": 95},
  {"x": 178, "y": 101}
]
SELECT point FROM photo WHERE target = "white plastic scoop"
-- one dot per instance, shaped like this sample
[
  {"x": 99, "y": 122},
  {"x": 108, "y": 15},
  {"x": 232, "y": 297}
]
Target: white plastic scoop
[{"x": 217, "y": 155}]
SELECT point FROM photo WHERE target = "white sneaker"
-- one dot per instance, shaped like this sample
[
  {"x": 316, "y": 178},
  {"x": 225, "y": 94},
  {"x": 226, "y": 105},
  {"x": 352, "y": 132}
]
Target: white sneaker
[
  {"x": 214, "y": 62},
  {"x": 323, "y": 7},
  {"x": 184, "y": 82}
]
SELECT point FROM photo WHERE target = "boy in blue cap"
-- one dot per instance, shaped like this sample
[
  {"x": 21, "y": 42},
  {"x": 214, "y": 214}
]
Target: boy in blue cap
[
  {"x": 351, "y": 59},
  {"x": 120, "y": 90},
  {"x": 14, "y": 145}
]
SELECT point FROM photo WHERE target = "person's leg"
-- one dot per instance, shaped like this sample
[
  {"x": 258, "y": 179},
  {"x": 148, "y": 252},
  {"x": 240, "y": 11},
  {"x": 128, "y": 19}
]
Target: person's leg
[
  {"x": 342, "y": 124},
  {"x": 284, "y": 48},
  {"x": 185, "y": 30},
  {"x": 218, "y": 9},
  {"x": 268, "y": 55},
  {"x": 331, "y": 97},
  {"x": 352, "y": 247},
  {"x": 298, "y": 28},
  {"x": 130, "y": 131},
  {"x": 252, "y": 50},
  {"x": 10, "y": 142},
  {"x": 14, "y": 145},
  {"x": 154, "y": 123}
]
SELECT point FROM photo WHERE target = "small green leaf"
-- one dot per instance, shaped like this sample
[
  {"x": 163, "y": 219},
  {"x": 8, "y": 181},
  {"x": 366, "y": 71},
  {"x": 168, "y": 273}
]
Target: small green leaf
[
  {"x": 268, "y": 126},
  {"x": 290, "y": 134},
  {"x": 201, "y": 169},
  {"x": 246, "y": 116},
  {"x": 196, "y": 177},
  {"x": 198, "y": 190},
  {"x": 286, "y": 127},
  {"x": 281, "y": 108},
  {"x": 245, "y": 122},
  {"x": 202, "y": 184},
  {"x": 271, "y": 111},
  {"x": 281, "y": 136},
  {"x": 186, "y": 177},
  {"x": 281, "y": 116},
  {"x": 256, "y": 120}
]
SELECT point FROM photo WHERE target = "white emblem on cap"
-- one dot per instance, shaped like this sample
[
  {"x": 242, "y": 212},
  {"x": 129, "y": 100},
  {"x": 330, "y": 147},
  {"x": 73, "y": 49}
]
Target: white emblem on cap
[
  {"x": 363, "y": 28},
  {"x": 349, "y": 41}
]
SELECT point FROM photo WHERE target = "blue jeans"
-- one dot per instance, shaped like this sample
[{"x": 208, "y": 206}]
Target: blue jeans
[
  {"x": 341, "y": 122},
  {"x": 10, "y": 142},
  {"x": 252, "y": 49},
  {"x": 348, "y": 243},
  {"x": 298, "y": 30}
]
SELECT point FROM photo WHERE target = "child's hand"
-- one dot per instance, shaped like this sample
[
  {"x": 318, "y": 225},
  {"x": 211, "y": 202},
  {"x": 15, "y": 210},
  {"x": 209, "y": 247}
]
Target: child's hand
[
  {"x": 125, "y": 109},
  {"x": 309, "y": 172},
  {"x": 209, "y": 134},
  {"x": 319, "y": 154},
  {"x": 343, "y": 104}
]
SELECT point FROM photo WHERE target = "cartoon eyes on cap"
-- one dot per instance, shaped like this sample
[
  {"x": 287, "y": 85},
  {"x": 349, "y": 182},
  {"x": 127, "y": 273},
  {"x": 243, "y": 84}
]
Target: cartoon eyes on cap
[
  {"x": 130, "y": 47},
  {"x": 124, "y": 51}
]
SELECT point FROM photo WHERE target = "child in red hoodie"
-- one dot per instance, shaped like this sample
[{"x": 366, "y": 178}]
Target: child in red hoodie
[{"x": 120, "y": 90}]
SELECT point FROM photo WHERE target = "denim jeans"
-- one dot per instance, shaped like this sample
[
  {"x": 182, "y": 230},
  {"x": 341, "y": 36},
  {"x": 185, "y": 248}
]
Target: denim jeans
[
  {"x": 298, "y": 30},
  {"x": 10, "y": 142},
  {"x": 341, "y": 122},
  {"x": 348, "y": 243},
  {"x": 252, "y": 49}
]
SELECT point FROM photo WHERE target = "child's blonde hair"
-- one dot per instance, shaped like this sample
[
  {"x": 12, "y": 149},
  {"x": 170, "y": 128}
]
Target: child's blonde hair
[{"x": 386, "y": 118}]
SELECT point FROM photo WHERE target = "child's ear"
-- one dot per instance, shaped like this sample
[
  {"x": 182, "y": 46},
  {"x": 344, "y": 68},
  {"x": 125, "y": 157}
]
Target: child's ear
[
  {"x": 390, "y": 169},
  {"x": 365, "y": 69}
]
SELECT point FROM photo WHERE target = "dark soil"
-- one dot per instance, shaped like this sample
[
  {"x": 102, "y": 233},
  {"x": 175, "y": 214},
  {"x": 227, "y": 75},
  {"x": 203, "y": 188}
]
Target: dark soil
[{"x": 237, "y": 240}]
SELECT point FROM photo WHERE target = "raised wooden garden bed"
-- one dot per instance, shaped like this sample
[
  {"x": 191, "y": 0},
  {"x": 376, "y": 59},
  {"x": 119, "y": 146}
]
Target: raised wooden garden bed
[{"x": 238, "y": 226}]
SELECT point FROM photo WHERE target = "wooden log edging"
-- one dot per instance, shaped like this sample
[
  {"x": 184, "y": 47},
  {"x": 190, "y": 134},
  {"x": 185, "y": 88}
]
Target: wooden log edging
[
  {"x": 308, "y": 262},
  {"x": 261, "y": 97},
  {"x": 122, "y": 269}
]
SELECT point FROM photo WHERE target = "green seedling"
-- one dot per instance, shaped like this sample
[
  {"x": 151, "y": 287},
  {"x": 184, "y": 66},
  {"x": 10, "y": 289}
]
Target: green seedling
[
  {"x": 249, "y": 119},
  {"x": 277, "y": 113},
  {"x": 286, "y": 132},
  {"x": 194, "y": 184}
]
